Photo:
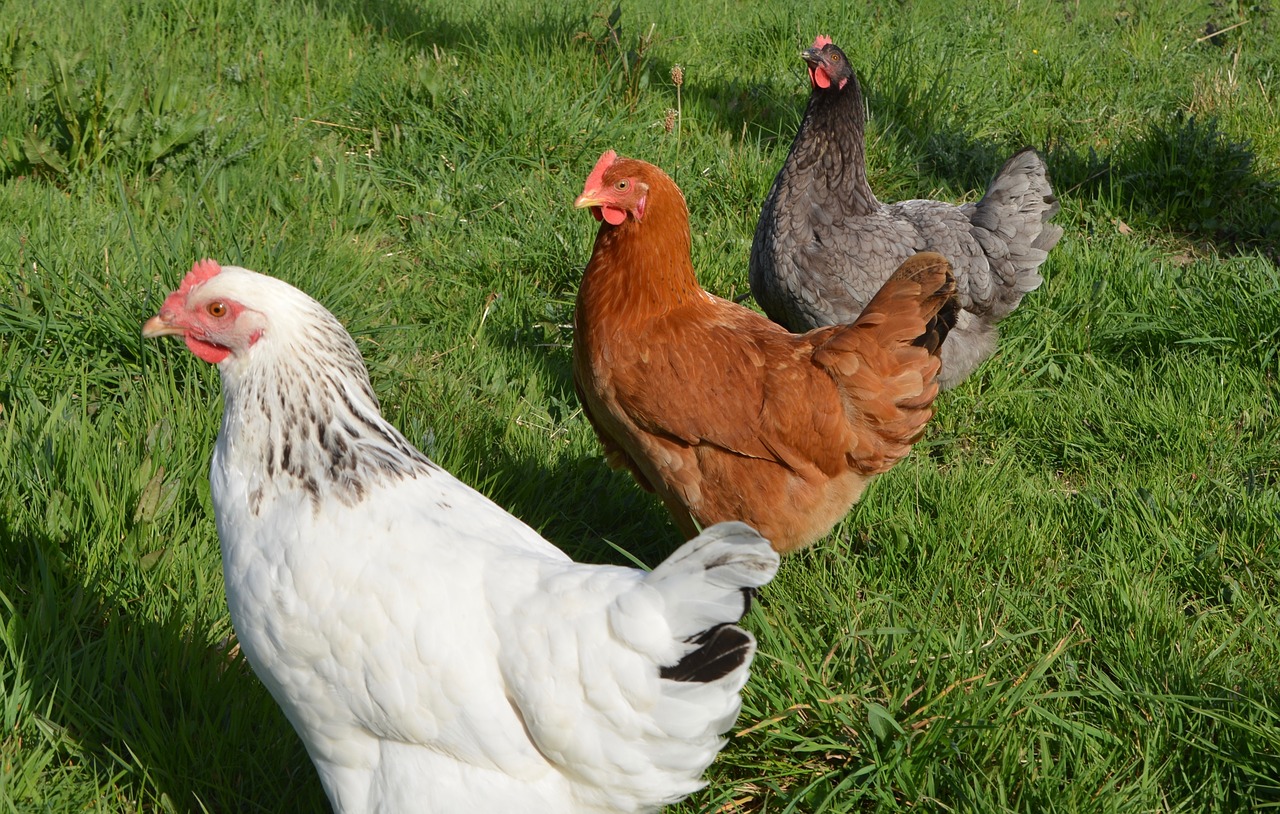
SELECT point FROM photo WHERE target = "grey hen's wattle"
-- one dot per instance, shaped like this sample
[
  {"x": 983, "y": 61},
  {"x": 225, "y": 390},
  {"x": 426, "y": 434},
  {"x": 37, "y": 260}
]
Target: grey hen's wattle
[{"x": 824, "y": 244}]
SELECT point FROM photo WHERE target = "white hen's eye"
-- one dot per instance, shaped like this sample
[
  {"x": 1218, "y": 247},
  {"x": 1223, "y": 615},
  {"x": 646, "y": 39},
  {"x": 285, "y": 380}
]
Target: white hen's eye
[{"x": 216, "y": 309}]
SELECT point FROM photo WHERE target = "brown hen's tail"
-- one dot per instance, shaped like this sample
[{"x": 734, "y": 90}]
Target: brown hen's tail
[{"x": 886, "y": 361}]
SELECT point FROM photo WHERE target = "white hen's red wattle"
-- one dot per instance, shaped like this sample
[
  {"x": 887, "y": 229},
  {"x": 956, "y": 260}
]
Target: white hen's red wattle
[{"x": 434, "y": 653}]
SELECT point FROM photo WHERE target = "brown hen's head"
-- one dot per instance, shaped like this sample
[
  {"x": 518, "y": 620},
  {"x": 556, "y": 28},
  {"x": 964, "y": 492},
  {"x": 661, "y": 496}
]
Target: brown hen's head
[
  {"x": 827, "y": 64},
  {"x": 621, "y": 188}
]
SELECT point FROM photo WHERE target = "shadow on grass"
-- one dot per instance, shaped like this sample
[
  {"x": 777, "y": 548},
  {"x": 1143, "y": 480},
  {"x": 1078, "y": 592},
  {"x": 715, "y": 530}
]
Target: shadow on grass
[
  {"x": 139, "y": 704},
  {"x": 1182, "y": 173},
  {"x": 578, "y": 503},
  {"x": 1185, "y": 175},
  {"x": 1235, "y": 314},
  {"x": 586, "y": 509},
  {"x": 747, "y": 110},
  {"x": 403, "y": 21},
  {"x": 412, "y": 24}
]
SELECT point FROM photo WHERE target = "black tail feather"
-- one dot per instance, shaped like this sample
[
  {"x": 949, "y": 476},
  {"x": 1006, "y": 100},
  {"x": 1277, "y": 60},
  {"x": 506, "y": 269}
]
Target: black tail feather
[
  {"x": 722, "y": 649},
  {"x": 937, "y": 328}
]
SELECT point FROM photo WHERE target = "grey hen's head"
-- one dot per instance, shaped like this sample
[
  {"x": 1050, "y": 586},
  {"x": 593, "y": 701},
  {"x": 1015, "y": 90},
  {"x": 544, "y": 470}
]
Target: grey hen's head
[{"x": 828, "y": 66}]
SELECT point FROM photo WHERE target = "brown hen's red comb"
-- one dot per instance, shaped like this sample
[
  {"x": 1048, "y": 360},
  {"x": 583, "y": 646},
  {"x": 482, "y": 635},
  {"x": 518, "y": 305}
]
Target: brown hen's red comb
[
  {"x": 596, "y": 178},
  {"x": 821, "y": 40},
  {"x": 201, "y": 272}
]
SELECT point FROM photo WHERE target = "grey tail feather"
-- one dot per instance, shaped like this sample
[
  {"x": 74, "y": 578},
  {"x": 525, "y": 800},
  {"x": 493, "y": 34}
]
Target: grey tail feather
[
  {"x": 721, "y": 650},
  {"x": 1020, "y": 200},
  {"x": 1027, "y": 163}
]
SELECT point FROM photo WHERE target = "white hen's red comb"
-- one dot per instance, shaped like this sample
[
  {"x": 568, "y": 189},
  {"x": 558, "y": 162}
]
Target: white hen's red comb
[
  {"x": 821, "y": 40},
  {"x": 201, "y": 272},
  {"x": 596, "y": 178}
]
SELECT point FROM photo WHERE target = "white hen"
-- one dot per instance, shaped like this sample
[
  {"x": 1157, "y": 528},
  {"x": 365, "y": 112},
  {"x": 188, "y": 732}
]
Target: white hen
[{"x": 434, "y": 653}]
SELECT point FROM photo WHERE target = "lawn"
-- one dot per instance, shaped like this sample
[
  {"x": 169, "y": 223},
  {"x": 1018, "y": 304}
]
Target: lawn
[{"x": 1067, "y": 598}]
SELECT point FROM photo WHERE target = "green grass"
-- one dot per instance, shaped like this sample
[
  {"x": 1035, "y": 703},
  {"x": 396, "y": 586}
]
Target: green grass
[{"x": 1066, "y": 600}]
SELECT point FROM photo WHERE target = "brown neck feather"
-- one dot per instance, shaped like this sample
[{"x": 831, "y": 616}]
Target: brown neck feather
[{"x": 639, "y": 270}]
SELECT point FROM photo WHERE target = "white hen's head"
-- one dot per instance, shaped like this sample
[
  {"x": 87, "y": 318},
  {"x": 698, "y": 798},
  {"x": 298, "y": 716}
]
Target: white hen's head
[
  {"x": 209, "y": 313},
  {"x": 305, "y": 412},
  {"x": 227, "y": 315}
]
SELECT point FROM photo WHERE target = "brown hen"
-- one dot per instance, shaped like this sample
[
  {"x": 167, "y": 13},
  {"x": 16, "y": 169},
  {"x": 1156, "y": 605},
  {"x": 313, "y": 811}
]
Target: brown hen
[{"x": 724, "y": 414}]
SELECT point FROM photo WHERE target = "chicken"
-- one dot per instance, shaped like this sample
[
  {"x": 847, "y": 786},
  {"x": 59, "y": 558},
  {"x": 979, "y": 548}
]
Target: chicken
[
  {"x": 724, "y": 414},
  {"x": 824, "y": 244},
  {"x": 434, "y": 653}
]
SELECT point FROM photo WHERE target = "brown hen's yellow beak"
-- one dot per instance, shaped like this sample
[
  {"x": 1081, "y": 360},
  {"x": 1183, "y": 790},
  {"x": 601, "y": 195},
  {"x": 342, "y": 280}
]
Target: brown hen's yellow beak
[
  {"x": 159, "y": 326},
  {"x": 587, "y": 199}
]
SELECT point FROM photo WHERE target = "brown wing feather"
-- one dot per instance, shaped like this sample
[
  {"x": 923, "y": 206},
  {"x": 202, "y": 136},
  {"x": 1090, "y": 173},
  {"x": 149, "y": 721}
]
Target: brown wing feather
[
  {"x": 887, "y": 360},
  {"x": 729, "y": 378}
]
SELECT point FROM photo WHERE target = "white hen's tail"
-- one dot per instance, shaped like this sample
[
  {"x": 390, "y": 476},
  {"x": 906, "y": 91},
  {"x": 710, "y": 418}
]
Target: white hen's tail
[
  {"x": 706, "y": 585},
  {"x": 700, "y": 591}
]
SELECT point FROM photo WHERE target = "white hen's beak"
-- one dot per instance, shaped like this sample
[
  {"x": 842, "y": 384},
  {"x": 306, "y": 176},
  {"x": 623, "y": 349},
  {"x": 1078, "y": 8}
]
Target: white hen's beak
[{"x": 159, "y": 326}]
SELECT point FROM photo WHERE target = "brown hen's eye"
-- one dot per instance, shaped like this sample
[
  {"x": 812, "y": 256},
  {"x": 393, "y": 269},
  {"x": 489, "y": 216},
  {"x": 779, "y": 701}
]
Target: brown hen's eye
[
  {"x": 621, "y": 185},
  {"x": 216, "y": 309}
]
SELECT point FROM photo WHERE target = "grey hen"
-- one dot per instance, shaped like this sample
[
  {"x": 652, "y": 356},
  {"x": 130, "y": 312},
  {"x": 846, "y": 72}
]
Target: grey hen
[{"x": 824, "y": 245}]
